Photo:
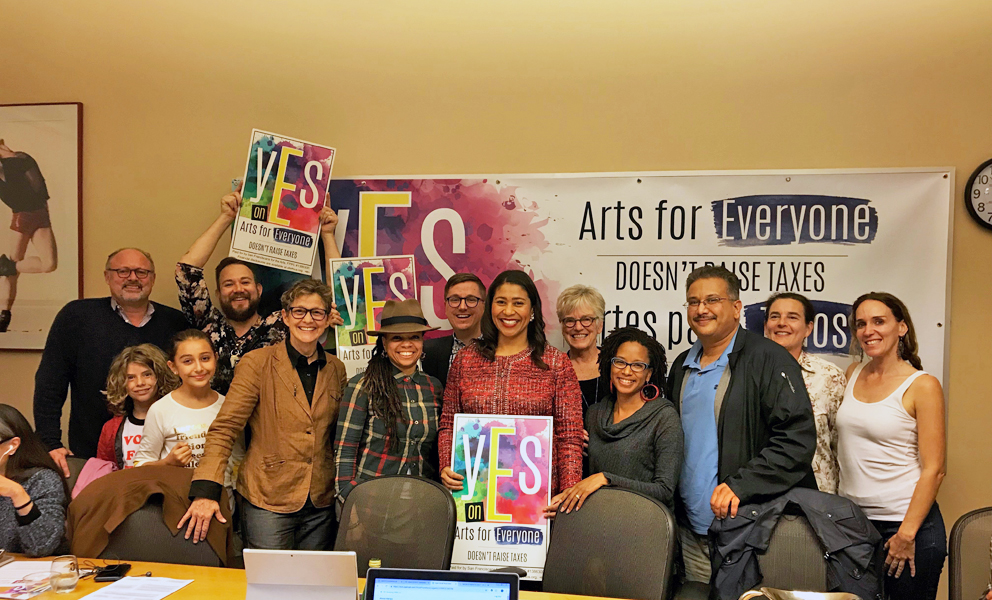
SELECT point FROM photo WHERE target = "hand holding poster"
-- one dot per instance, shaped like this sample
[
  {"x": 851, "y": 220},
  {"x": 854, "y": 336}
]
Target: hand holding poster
[
  {"x": 361, "y": 288},
  {"x": 284, "y": 187},
  {"x": 506, "y": 463}
]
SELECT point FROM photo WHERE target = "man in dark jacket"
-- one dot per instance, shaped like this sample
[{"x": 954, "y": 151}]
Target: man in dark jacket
[
  {"x": 748, "y": 422},
  {"x": 464, "y": 301}
]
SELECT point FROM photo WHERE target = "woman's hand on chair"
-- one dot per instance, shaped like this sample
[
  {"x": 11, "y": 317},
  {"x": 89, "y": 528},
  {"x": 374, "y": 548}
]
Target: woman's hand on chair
[
  {"x": 575, "y": 496},
  {"x": 199, "y": 516}
]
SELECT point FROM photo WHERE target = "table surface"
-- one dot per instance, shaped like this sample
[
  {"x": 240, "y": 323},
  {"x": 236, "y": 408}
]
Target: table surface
[{"x": 217, "y": 583}]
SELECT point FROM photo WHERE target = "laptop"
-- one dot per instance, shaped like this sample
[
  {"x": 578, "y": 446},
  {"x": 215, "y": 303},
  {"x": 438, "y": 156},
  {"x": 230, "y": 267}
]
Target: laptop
[
  {"x": 417, "y": 584},
  {"x": 307, "y": 575}
]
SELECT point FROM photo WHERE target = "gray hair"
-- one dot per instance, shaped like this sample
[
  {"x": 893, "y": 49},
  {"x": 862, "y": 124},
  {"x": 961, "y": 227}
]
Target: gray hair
[
  {"x": 716, "y": 272},
  {"x": 577, "y": 295},
  {"x": 119, "y": 250}
]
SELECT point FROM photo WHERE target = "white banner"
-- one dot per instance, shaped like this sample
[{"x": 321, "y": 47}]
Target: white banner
[{"x": 830, "y": 235}]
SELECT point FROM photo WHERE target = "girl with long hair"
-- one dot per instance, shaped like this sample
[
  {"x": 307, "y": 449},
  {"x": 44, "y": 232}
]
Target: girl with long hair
[
  {"x": 387, "y": 422},
  {"x": 512, "y": 370},
  {"x": 138, "y": 377},
  {"x": 891, "y": 445},
  {"x": 33, "y": 494}
]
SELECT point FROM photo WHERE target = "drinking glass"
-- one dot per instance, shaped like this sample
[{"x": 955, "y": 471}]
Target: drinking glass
[{"x": 65, "y": 574}]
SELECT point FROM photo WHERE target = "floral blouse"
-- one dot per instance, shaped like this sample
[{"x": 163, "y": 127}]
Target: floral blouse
[{"x": 825, "y": 383}]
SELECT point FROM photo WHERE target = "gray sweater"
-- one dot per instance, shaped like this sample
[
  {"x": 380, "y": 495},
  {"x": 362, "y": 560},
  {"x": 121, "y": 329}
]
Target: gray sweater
[
  {"x": 40, "y": 532},
  {"x": 642, "y": 453}
]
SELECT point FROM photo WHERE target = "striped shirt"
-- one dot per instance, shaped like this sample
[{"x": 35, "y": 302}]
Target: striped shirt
[{"x": 362, "y": 446}]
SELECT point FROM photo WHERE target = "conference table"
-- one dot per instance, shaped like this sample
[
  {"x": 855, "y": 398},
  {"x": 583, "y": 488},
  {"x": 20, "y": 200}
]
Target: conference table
[{"x": 216, "y": 583}]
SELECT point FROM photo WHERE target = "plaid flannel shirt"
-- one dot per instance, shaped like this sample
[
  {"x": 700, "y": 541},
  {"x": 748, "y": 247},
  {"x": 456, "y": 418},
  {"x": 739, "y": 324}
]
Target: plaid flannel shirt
[{"x": 362, "y": 448}]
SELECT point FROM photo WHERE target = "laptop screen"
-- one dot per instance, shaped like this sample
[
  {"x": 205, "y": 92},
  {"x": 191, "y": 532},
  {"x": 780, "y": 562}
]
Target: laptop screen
[{"x": 426, "y": 589}]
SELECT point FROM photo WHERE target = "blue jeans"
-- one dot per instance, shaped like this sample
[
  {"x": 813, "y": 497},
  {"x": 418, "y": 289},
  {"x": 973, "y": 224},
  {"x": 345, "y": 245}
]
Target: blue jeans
[
  {"x": 931, "y": 550},
  {"x": 309, "y": 528}
]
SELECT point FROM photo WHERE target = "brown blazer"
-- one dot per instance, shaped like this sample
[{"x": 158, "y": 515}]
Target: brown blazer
[{"x": 291, "y": 455}]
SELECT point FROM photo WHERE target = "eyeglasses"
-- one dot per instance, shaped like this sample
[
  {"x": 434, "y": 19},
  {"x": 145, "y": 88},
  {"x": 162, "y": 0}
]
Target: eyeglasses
[
  {"x": 620, "y": 364},
  {"x": 569, "y": 322},
  {"x": 317, "y": 314},
  {"x": 456, "y": 301},
  {"x": 711, "y": 301},
  {"x": 124, "y": 273}
]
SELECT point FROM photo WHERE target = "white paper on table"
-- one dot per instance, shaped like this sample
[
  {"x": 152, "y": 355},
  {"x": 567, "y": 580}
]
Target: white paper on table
[
  {"x": 139, "y": 588},
  {"x": 12, "y": 573}
]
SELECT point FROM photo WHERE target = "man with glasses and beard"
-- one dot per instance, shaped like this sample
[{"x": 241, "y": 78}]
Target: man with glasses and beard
[
  {"x": 84, "y": 339},
  {"x": 235, "y": 328}
]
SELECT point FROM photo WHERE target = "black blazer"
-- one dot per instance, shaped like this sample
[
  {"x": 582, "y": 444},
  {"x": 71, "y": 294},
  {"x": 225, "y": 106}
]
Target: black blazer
[{"x": 437, "y": 357}]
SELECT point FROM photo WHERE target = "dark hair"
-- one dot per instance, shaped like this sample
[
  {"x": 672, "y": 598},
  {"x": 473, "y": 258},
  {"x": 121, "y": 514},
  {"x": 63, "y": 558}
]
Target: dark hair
[
  {"x": 810, "y": 312},
  {"x": 227, "y": 262},
  {"x": 535, "y": 329},
  {"x": 307, "y": 287},
  {"x": 463, "y": 278},
  {"x": 31, "y": 455},
  {"x": 656, "y": 356},
  {"x": 908, "y": 347},
  {"x": 716, "y": 272},
  {"x": 185, "y": 336},
  {"x": 384, "y": 396}
]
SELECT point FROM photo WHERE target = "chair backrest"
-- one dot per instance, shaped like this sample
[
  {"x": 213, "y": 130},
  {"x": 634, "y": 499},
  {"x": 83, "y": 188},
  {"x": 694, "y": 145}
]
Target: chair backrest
[
  {"x": 75, "y": 466},
  {"x": 970, "y": 555},
  {"x": 794, "y": 559},
  {"x": 620, "y": 544},
  {"x": 143, "y": 536},
  {"x": 406, "y": 522}
]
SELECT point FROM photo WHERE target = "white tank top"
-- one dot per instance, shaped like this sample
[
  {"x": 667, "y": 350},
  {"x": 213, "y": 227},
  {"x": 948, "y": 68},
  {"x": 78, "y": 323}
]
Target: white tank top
[{"x": 878, "y": 452}]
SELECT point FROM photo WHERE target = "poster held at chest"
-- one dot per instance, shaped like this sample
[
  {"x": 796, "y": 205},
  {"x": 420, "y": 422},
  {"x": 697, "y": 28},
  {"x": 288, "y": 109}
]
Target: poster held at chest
[
  {"x": 284, "y": 187},
  {"x": 361, "y": 288},
  {"x": 506, "y": 463}
]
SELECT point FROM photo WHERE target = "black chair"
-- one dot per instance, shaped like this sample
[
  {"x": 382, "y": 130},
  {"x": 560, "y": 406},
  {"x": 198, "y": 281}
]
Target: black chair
[
  {"x": 405, "y": 522},
  {"x": 620, "y": 544},
  {"x": 970, "y": 555},
  {"x": 143, "y": 536},
  {"x": 75, "y": 467}
]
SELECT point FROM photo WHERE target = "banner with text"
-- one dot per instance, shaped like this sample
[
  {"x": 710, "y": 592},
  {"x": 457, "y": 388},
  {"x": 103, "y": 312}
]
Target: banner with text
[
  {"x": 361, "y": 288},
  {"x": 506, "y": 463},
  {"x": 830, "y": 235},
  {"x": 284, "y": 187}
]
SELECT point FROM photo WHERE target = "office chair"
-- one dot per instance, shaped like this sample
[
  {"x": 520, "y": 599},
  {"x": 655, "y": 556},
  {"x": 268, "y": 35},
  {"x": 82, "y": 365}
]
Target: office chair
[
  {"x": 143, "y": 536},
  {"x": 794, "y": 559},
  {"x": 75, "y": 467},
  {"x": 620, "y": 544},
  {"x": 969, "y": 555},
  {"x": 403, "y": 521}
]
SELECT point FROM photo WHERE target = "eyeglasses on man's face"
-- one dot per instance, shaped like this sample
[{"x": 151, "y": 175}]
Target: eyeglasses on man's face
[
  {"x": 124, "y": 272},
  {"x": 620, "y": 364},
  {"x": 709, "y": 302},
  {"x": 456, "y": 301},
  {"x": 569, "y": 322},
  {"x": 317, "y": 314}
]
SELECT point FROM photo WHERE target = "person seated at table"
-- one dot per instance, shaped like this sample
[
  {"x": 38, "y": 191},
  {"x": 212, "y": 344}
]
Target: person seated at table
[
  {"x": 289, "y": 394},
  {"x": 32, "y": 492},
  {"x": 139, "y": 376},
  {"x": 635, "y": 434},
  {"x": 387, "y": 423},
  {"x": 512, "y": 370}
]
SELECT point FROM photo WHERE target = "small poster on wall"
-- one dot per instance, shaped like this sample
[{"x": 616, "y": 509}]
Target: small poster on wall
[
  {"x": 506, "y": 463},
  {"x": 285, "y": 183},
  {"x": 361, "y": 288}
]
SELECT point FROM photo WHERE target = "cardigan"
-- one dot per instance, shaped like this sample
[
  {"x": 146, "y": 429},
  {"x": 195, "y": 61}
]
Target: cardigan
[{"x": 41, "y": 531}]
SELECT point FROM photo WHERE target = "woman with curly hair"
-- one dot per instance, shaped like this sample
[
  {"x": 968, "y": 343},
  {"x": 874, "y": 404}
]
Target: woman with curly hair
[
  {"x": 635, "y": 434},
  {"x": 512, "y": 370},
  {"x": 138, "y": 377}
]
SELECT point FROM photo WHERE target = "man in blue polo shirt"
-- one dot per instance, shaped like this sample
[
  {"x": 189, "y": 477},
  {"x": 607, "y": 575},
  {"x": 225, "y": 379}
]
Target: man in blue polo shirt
[{"x": 749, "y": 429}]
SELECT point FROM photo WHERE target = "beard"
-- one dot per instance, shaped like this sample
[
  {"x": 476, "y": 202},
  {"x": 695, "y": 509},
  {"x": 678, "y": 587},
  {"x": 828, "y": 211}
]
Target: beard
[{"x": 239, "y": 315}]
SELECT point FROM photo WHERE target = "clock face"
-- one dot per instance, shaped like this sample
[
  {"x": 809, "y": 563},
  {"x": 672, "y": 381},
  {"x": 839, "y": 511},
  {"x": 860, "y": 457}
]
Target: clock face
[{"x": 978, "y": 194}]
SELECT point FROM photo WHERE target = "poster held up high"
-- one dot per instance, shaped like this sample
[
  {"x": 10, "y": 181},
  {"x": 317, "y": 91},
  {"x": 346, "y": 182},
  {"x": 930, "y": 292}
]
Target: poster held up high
[
  {"x": 285, "y": 183},
  {"x": 361, "y": 288},
  {"x": 506, "y": 463}
]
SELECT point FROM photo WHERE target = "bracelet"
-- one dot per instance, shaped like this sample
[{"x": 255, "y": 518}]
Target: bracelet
[{"x": 25, "y": 505}]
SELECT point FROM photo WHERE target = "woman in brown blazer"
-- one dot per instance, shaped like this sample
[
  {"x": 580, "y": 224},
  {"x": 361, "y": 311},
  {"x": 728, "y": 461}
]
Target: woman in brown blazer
[{"x": 289, "y": 394}]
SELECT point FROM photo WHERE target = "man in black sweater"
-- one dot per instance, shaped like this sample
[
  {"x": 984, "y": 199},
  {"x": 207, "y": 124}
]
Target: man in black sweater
[{"x": 84, "y": 339}]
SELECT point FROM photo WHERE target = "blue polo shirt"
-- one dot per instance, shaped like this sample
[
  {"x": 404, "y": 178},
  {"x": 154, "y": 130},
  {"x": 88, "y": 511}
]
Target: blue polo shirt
[{"x": 702, "y": 450}]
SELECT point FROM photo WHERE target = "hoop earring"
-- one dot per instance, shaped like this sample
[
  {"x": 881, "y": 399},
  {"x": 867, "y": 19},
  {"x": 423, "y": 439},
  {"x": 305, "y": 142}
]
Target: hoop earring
[
  {"x": 611, "y": 385},
  {"x": 654, "y": 394}
]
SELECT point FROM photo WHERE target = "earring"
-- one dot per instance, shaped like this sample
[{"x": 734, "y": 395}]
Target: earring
[
  {"x": 531, "y": 316},
  {"x": 902, "y": 346},
  {"x": 652, "y": 395},
  {"x": 611, "y": 386}
]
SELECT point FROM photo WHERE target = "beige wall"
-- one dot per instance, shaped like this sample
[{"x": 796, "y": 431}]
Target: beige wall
[{"x": 172, "y": 89}]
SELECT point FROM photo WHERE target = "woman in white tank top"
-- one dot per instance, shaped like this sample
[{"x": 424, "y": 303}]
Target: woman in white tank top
[{"x": 891, "y": 445}]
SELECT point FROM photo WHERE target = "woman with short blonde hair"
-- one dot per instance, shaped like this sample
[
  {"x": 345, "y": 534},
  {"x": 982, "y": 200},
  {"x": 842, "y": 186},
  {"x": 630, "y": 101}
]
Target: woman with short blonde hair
[{"x": 581, "y": 310}]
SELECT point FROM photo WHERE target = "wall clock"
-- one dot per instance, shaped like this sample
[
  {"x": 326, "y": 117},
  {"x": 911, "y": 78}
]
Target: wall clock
[{"x": 978, "y": 194}]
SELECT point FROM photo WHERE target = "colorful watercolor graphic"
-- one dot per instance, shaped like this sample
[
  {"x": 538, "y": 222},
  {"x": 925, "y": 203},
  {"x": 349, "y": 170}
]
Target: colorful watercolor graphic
[{"x": 285, "y": 183}]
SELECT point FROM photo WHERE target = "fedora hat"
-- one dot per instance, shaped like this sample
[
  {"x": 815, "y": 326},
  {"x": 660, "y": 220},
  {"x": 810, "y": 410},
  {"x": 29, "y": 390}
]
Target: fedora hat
[{"x": 402, "y": 317}]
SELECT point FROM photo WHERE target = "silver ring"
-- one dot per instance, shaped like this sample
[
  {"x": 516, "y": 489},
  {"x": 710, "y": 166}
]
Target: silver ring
[{"x": 578, "y": 495}]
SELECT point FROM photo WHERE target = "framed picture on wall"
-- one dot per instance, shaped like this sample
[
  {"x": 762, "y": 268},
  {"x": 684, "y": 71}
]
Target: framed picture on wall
[{"x": 41, "y": 193}]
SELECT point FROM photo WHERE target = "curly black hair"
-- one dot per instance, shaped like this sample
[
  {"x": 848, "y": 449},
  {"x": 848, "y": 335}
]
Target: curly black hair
[{"x": 656, "y": 356}]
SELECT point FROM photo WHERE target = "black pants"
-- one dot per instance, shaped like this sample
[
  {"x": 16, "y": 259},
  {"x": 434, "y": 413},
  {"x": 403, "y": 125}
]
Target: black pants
[{"x": 931, "y": 550}]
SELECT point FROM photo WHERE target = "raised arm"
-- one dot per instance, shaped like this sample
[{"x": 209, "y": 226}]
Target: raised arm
[{"x": 199, "y": 253}]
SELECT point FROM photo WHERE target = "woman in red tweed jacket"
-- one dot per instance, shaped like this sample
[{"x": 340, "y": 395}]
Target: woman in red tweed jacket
[{"x": 512, "y": 370}]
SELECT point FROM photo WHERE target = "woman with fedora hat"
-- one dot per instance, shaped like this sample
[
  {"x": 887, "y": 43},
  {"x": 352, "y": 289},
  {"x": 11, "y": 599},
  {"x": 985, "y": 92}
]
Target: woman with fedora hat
[{"x": 387, "y": 423}]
